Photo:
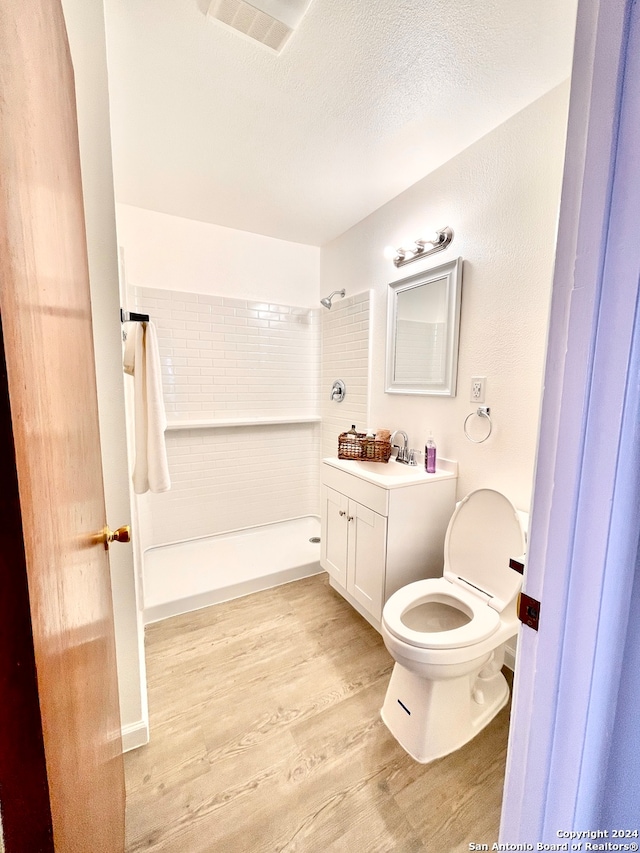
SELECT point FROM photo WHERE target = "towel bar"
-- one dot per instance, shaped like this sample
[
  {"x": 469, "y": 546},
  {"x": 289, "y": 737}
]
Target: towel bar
[{"x": 132, "y": 317}]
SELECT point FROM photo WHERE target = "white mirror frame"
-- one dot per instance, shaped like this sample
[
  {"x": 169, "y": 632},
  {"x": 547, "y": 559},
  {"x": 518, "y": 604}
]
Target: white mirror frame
[{"x": 451, "y": 273}]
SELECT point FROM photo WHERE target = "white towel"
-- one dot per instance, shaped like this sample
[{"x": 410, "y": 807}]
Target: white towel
[{"x": 151, "y": 471}]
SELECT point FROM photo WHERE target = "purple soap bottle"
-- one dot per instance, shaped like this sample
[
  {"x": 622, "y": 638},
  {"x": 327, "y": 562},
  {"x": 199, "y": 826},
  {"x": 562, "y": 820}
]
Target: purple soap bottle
[{"x": 430, "y": 455}]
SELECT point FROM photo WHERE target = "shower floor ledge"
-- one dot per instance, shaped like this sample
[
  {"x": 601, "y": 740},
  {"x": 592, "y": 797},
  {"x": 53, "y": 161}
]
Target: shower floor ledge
[{"x": 185, "y": 576}]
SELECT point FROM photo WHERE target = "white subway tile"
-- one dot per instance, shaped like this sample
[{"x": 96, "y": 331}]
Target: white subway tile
[
  {"x": 246, "y": 475},
  {"x": 200, "y": 362}
]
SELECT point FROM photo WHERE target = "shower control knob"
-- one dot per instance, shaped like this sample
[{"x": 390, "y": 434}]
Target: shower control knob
[{"x": 338, "y": 390}]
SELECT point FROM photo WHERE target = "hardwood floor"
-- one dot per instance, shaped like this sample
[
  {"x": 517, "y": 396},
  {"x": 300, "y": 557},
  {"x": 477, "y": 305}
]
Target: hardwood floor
[{"x": 266, "y": 736}]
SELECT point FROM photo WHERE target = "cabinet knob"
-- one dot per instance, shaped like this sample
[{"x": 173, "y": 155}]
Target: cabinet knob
[
  {"x": 342, "y": 512},
  {"x": 349, "y": 518}
]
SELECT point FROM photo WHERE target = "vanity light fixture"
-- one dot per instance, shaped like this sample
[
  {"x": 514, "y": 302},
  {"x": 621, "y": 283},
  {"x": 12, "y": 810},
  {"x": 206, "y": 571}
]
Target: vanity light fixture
[{"x": 437, "y": 243}]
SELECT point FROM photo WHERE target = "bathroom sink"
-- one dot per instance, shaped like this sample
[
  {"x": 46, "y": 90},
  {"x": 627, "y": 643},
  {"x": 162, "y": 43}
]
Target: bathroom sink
[{"x": 393, "y": 475}]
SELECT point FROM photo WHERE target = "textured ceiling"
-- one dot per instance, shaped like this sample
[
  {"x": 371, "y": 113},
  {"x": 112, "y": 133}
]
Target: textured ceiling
[{"x": 366, "y": 98}]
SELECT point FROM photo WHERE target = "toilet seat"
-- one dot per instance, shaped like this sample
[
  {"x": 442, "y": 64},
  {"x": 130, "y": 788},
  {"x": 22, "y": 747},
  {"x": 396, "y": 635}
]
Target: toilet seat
[
  {"x": 484, "y": 621},
  {"x": 484, "y": 532}
]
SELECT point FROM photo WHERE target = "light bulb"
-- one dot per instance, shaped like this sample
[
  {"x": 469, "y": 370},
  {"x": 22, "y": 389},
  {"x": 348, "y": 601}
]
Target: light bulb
[{"x": 431, "y": 238}]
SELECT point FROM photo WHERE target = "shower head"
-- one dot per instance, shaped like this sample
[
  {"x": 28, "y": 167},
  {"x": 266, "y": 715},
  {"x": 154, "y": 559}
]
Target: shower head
[{"x": 327, "y": 300}]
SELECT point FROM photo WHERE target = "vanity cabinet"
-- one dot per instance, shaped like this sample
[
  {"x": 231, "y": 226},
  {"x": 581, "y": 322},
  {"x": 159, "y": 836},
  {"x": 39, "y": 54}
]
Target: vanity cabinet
[
  {"x": 356, "y": 543},
  {"x": 382, "y": 529}
]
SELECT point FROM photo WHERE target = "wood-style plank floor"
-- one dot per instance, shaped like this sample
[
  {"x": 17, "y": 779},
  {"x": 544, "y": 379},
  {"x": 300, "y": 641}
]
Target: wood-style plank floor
[{"x": 266, "y": 736}]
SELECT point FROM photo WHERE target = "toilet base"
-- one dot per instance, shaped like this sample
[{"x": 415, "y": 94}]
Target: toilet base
[{"x": 430, "y": 719}]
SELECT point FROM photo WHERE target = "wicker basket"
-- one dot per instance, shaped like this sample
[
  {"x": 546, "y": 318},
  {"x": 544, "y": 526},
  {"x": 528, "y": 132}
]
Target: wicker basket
[{"x": 358, "y": 446}]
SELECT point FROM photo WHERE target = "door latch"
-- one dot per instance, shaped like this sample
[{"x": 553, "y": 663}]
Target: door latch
[{"x": 528, "y": 610}]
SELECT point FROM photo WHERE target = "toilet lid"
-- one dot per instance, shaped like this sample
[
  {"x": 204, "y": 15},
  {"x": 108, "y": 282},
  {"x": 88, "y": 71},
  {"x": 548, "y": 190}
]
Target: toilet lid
[
  {"x": 483, "y": 621},
  {"x": 483, "y": 534}
]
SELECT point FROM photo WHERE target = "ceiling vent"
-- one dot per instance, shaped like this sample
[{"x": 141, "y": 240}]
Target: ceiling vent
[{"x": 269, "y": 22}]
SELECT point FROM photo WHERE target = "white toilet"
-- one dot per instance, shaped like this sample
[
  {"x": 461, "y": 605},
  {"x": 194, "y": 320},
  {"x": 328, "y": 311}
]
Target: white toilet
[{"x": 448, "y": 635}]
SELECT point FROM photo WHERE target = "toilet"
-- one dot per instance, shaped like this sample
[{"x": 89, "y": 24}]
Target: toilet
[{"x": 448, "y": 634}]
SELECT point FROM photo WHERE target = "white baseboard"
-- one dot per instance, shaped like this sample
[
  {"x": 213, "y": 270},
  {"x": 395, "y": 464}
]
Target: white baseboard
[{"x": 135, "y": 735}]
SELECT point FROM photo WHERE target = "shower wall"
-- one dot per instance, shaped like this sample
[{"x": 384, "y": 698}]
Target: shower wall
[
  {"x": 240, "y": 382},
  {"x": 227, "y": 358},
  {"x": 345, "y": 355}
]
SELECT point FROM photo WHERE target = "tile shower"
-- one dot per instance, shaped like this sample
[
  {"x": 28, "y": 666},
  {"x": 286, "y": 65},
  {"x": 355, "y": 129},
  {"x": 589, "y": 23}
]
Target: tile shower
[{"x": 242, "y": 388}]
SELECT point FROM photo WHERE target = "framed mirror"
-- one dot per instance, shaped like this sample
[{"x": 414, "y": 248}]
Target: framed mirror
[{"x": 423, "y": 325}]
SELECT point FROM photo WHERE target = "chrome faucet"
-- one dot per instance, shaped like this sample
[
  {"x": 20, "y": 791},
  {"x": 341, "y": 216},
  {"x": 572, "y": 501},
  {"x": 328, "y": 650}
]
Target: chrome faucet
[{"x": 403, "y": 452}]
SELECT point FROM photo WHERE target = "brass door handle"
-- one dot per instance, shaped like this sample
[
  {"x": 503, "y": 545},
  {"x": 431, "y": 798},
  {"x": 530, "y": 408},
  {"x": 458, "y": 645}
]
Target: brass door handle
[{"x": 122, "y": 534}]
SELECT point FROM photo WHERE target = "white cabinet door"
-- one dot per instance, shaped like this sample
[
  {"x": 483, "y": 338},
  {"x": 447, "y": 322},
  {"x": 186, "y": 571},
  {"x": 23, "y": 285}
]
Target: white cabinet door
[
  {"x": 367, "y": 546},
  {"x": 333, "y": 550}
]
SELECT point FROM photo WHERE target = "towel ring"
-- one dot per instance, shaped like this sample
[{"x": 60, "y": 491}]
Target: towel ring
[{"x": 482, "y": 412}]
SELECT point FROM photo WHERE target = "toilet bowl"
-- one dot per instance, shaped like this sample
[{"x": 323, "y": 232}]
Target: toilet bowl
[{"x": 448, "y": 634}]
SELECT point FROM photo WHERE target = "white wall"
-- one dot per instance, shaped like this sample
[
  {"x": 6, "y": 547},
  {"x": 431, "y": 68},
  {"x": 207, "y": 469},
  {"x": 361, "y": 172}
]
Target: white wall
[
  {"x": 501, "y": 198},
  {"x": 173, "y": 253},
  {"x": 85, "y": 26}
]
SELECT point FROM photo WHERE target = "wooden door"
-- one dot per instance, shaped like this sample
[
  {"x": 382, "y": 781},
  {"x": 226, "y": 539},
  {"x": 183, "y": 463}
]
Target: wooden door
[{"x": 46, "y": 321}]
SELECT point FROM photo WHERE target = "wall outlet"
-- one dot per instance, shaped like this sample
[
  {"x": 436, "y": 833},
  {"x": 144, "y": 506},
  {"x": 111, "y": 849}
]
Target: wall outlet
[{"x": 478, "y": 388}]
